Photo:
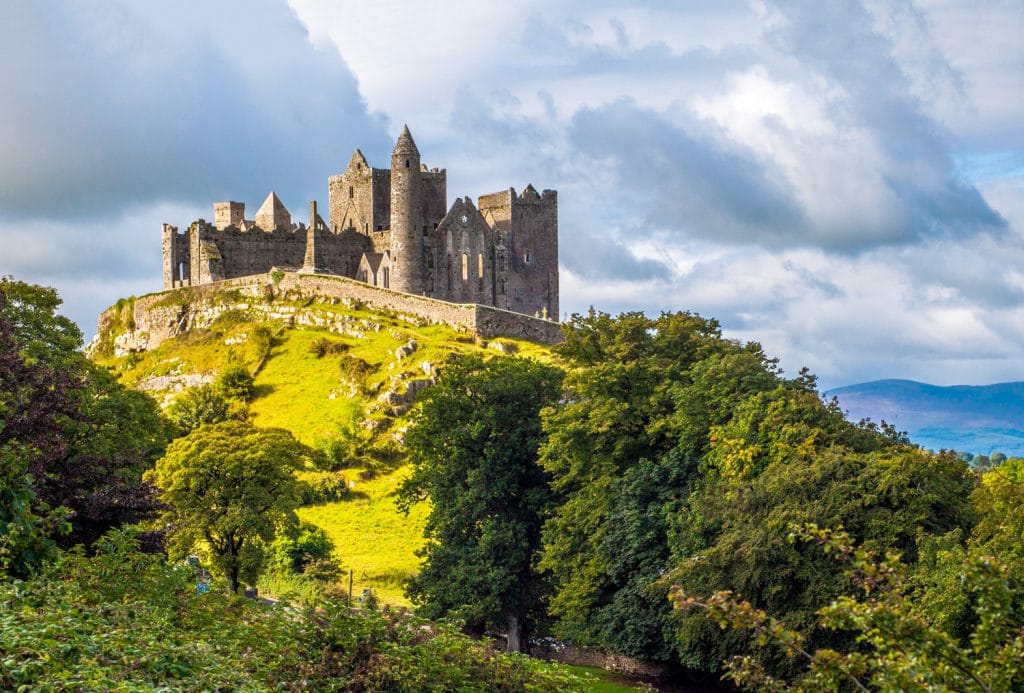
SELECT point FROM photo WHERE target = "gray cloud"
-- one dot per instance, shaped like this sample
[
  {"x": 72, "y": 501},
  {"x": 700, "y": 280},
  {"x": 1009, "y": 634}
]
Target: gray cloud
[
  {"x": 114, "y": 105},
  {"x": 685, "y": 179}
]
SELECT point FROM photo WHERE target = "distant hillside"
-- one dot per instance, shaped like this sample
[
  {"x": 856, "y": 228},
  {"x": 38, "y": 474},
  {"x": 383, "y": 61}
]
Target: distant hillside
[{"x": 978, "y": 419}]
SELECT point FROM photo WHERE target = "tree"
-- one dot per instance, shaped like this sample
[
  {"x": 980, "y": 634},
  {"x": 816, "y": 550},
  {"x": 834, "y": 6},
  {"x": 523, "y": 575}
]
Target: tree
[
  {"x": 623, "y": 450},
  {"x": 894, "y": 647},
  {"x": 473, "y": 447},
  {"x": 84, "y": 438},
  {"x": 733, "y": 533},
  {"x": 232, "y": 486},
  {"x": 237, "y": 383}
]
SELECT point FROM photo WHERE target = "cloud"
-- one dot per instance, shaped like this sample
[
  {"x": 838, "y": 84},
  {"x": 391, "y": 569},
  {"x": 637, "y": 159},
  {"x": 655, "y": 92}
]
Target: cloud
[
  {"x": 108, "y": 106},
  {"x": 683, "y": 179}
]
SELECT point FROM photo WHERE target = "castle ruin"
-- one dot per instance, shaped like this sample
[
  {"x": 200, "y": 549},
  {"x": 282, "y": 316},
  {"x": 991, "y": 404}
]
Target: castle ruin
[{"x": 390, "y": 228}]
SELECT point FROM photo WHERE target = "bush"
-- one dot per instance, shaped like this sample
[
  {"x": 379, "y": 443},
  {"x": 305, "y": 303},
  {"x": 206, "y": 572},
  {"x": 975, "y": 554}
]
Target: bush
[
  {"x": 235, "y": 382},
  {"x": 304, "y": 548},
  {"x": 322, "y": 347},
  {"x": 200, "y": 405},
  {"x": 322, "y": 487},
  {"x": 355, "y": 370},
  {"x": 123, "y": 620}
]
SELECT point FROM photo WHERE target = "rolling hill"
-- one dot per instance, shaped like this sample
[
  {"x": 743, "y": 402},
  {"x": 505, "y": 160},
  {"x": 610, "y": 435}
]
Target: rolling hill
[
  {"x": 329, "y": 371},
  {"x": 980, "y": 419}
]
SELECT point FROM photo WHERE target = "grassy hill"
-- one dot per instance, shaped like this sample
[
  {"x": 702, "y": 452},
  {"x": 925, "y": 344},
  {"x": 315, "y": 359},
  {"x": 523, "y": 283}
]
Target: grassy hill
[
  {"x": 977, "y": 419},
  {"x": 333, "y": 374}
]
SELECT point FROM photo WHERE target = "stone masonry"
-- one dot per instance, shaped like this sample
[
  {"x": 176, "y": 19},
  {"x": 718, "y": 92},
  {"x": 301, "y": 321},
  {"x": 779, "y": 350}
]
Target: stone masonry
[{"x": 389, "y": 228}]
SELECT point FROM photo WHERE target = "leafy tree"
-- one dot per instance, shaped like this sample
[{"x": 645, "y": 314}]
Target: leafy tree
[
  {"x": 43, "y": 334},
  {"x": 623, "y": 446},
  {"x": 236, "y": 383},
  {"x": 111, "y": 437},
  {"x": 26, "y": 526},
  {"x": 82, "y": 438},
  {"x": 473, "y": 447},
  {"x": 893, "y": 647},
  {"x": 733, "y": 533},
  {"x": 230, "y": 485},
  {"x": 1001, "y": 522}
]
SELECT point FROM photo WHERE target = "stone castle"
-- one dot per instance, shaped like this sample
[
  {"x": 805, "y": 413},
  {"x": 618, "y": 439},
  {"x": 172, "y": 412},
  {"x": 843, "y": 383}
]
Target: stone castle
[{"x": 389, "y": 228}]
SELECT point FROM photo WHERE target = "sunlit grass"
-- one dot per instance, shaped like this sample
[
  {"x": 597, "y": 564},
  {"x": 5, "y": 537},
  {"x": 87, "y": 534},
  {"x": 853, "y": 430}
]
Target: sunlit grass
[
  {"x": 308, "y": 396},
  {"x": 372, "y": 538}
]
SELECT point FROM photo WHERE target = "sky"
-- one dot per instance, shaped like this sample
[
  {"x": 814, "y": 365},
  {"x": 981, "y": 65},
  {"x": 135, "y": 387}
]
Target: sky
[{"x": 842, "y": 182}]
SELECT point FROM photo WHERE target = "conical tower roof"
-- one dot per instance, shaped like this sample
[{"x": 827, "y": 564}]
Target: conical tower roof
[{"x": 405, "y": 143}]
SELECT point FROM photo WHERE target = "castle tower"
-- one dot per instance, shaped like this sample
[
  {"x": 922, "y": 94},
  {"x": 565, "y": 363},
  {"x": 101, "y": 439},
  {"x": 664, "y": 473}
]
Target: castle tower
[{"x": 406, "y": 217}]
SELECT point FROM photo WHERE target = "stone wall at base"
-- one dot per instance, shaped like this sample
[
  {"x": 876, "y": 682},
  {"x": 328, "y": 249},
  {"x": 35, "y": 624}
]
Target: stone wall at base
[
  {"x": 592, "y": 657},
  {"x": 159, "y": 316}
]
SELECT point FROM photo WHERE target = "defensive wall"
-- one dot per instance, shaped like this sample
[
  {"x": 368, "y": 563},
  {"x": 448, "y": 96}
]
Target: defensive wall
[{"x": 159, "y": 316}]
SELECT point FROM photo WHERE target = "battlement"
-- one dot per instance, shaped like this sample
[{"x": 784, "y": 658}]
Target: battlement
[{"x": 391, "y": 228}]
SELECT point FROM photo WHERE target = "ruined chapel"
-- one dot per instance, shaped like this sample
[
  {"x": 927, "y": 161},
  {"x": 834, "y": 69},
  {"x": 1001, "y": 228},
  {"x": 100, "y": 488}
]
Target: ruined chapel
[{"x": 390, "y": 228}]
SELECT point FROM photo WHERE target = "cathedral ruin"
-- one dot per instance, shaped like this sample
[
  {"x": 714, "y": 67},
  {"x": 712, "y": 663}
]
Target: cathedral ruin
[{"x": 390, "y": 228}]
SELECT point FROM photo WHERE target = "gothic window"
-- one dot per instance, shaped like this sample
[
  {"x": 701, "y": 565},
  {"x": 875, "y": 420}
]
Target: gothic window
[
  {"x": 465, "y": 268},
  {"x": 449, "y": 272},
  {"x": 480, "y": 272}
]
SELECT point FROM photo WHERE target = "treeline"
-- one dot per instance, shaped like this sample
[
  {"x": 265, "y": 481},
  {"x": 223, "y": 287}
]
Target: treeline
[{"x": 663, "y": 459}]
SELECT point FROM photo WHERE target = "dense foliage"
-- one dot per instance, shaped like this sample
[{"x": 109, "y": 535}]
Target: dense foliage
[
  {"x": 659, "y": 456},
  {"x": 683, "y": 457},
  {"x": 473, "y": 447},
  {"x": 128, "y": 621},
  {"x": 895, "y": 644},
  {"x": 72, "y": 436}
]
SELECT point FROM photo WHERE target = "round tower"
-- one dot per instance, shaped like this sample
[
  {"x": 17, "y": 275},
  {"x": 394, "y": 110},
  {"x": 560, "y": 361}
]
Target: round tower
[{"x": 406, "y": 217}]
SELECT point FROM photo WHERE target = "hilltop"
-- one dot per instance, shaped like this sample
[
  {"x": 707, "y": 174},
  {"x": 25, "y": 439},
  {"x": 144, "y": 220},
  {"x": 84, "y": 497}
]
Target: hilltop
[
  {"x": 340, "y": 375},
  {"x": 978, "y": 419}
]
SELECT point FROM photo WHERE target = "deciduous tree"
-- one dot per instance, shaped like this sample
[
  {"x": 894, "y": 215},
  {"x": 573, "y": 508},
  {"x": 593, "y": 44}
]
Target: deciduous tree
[
  {"x": 473, "y": 447},
  {"x": 232, "y": 486}
]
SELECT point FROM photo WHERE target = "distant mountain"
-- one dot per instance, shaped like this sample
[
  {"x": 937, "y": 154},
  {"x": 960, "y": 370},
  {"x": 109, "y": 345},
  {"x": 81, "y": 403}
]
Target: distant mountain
[{"x": 980, "y": 419}]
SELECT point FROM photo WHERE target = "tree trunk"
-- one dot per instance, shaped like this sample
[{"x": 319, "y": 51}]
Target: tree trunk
[
  {"x": 233, "y": 568},
  {"x": 515, "y": 634}
]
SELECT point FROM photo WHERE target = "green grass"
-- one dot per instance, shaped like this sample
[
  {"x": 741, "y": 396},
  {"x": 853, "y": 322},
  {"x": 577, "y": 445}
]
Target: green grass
[
  {"x": 372, "y": 538},
  {"x": 601, "y": 681},
  {"x": 294, "y": 391}
]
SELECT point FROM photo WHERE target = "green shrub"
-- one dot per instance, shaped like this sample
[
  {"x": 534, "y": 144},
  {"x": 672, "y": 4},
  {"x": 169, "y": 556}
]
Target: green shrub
[
  {"x": 124, "y": 620},
  {"x": 235, "y": 382},
  {"x": 322, "y": 347},
  {"x": 303, "y": 546},
  {"x": 322, "y": 487}
]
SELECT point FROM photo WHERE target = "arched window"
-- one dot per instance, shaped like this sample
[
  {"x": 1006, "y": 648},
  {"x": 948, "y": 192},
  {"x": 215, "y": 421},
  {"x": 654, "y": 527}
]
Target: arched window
[
  {"x": 480, "y": 272},
  {"x": 465, "y": 268}
]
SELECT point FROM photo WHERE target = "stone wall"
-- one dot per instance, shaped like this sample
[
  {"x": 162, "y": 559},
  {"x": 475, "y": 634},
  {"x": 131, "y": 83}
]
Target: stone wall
[{"x": 157, "y": 317}]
